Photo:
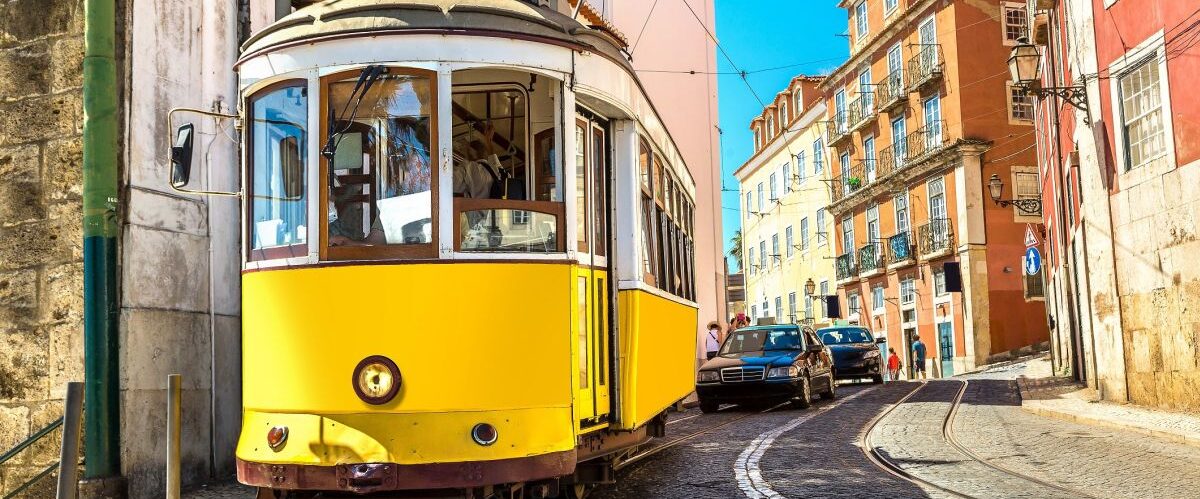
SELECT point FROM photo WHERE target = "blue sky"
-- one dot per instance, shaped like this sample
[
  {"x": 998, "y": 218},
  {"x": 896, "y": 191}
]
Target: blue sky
[{"x": 759, "y": 35}]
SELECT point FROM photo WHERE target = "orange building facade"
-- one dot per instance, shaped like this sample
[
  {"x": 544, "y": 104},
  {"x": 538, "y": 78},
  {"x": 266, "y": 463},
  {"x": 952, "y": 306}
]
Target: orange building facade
[{"x": 919, "y": 119}]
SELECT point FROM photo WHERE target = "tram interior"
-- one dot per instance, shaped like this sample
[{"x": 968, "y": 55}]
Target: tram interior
[
  {"x": 504, "y": 149},
  {"x": 506, "y": 175}
]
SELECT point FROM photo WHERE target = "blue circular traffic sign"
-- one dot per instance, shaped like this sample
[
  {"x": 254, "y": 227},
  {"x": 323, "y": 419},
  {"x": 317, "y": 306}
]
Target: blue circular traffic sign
[{"x": 1033, "y": 261}]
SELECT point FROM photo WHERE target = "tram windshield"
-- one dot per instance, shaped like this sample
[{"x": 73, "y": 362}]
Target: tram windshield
[{"x": 380, "y": 181}]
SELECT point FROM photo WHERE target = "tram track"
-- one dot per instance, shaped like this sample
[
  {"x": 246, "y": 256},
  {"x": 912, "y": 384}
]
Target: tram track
[
  {"x": 878, "y": 458},
  {"x": 651, "y": 451}
]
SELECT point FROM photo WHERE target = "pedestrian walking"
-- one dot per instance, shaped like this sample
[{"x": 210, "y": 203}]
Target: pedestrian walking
[
  {"x": 918, "y": 350},
  {"x": 893, "y": 365},
  {"x": 713, "y": 340}
]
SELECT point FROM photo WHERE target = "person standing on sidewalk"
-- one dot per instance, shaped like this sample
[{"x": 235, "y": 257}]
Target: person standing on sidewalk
[
  {"x": 893, "y": 365},
  {"x": 712, "y": 340},
  {"x": 918, "y": 350}
]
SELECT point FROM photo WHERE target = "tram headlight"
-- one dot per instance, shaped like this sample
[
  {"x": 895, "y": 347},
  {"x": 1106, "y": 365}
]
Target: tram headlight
[
  {"x": 376, "y": 380},
  {"x": 707, "y": 377}
]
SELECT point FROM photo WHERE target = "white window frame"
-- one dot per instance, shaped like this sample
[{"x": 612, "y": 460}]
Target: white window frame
[
  {"x": 776, "y": 258},
  {"x": 749, "y": 204},
  {"x": 821, "y": 233},
  {"x": 939, "y": 283},
  {"x": 853, "y": 311},
  {"x": 862, "y": 16},
  {"x": 801, "y": 166},
  {"x": 1151, "y": 47},
  {"x": 911, "y": 297},
  {"x": 890, "y": 7},
  {"x": 787, "y": 177},
  {"x": 804, "y": 234},
  {"x": 1013, "y": 119},
  {"x": 1021, "y": 216},
  {"x": 877, "y": 298},
  {"x": 750, "y": 260},
  {"x": 792, "y": 306},
  {"x": 773, "y": 189},
  {"x": 818, "y": 156},
  {"x": 1004, "y": 8},
  {"x": 789, "y": 240},
  {"x": 760, "y": 198},
  {"x": 848, "y": 240}
]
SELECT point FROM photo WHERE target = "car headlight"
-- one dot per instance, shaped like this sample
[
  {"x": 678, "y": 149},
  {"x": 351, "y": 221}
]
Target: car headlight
[
  {"x": 783, "y": 372},
  {"x": 376, "y": 380},
  {"x": 871, "y": 354},
  {"x": 707, "y": 377}
]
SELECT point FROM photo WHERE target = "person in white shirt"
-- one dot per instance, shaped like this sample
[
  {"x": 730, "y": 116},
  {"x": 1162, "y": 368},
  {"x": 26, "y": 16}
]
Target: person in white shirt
[{"x": 713, "y": 339}]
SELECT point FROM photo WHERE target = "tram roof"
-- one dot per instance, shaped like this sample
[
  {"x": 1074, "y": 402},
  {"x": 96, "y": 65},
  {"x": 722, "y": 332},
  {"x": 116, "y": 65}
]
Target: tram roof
[{"x": 331, "y": 18}]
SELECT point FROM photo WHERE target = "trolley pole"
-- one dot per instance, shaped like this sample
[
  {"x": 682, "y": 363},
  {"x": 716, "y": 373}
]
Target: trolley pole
[{"x": 174, "y": 418}]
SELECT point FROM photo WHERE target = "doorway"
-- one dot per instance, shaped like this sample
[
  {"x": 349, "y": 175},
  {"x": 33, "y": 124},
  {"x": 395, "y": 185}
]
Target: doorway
[{"x": 593, "y": 288}]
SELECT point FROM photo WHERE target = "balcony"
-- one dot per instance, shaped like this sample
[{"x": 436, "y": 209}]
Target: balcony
[
  {"x": 870, "y": 259},
  {"x": 900, "y": 250},
  {"x": 860, "y": 111},
  {"x": 847, "y": 266},
  {"x": 839, "y": 129},
  {"x": 935, "y": 238},
  {"x": 925, "y": 68},
  {"x": 927, "y": 140},
  {"x": 890, "y": 92},
  {"x": 850, "y": 181}
]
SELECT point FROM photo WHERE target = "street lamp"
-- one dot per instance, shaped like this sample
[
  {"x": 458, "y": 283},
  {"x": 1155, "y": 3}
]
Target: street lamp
[
  {"x": 996, "y": 190},
  {"x": 1025, "y": 69},
  {"x": 810, "y": 287}
]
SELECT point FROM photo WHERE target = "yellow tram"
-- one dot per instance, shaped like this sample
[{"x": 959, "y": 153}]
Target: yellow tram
[{"x": 468, "y": 251}]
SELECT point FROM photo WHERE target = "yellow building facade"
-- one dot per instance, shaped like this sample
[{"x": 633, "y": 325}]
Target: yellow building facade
[{"x": 783, "y": 192}]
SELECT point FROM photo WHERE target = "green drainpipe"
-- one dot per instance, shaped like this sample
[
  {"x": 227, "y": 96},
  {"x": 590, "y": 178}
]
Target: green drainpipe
[{"x": 102, "y": 441}]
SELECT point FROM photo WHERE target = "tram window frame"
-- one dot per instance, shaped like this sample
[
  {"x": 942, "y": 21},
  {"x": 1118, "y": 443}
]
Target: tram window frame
[
  {"x": 649, "y": 253},
  {"x": 384, "y": 251},
  {"x": 299, "y": 249}
]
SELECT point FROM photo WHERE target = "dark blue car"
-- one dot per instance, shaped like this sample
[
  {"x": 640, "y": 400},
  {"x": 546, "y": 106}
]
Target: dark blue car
[
  {"x": 763, "y": 364},
  {"x": 855, "y": 352}
]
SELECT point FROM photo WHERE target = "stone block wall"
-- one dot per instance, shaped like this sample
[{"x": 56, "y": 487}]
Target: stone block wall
[
  {"x": 41, "y": 235},
  {"x": 1157, "y": 238}
]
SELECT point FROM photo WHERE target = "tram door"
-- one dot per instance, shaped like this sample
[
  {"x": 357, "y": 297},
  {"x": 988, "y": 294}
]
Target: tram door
[{"x": 592, "y": 282}]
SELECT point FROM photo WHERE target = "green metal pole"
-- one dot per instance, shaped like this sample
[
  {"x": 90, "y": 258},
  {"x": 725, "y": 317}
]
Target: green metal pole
[{"x": 102, "y": 437}]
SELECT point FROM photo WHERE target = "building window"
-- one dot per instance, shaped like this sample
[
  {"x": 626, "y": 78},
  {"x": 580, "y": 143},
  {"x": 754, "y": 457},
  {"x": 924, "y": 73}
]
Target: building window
[
  {"x": 901, "y": 204},
  {"x": 766, "y": 308},
  {"x": 750, "y": 260},
  {"x": 808, "y": 307},
  {"x": 762, "y": 255},
  {"x": 801, "y": 166},
  {"x": 853, "y": 304},
  {"x": 824, "y": 291},
  {"x": 1016, "y": 22},
  {"x": 890, "y": 5},
  {"x": 749, "y": 205},
  {"x": 1034, "y": 287},
  {"x": 939, "y": 283},
  {"x": 848, "y": 234},
  {"x": 754, "y": 311},
  {"x": 787, "y": 239},
  {"x": 760, "y": 197},
  {"x": 908, "y": 291},
  {"x": 778, "y": 305},
  {"x": 1142, "y": 115},
  {"x": 792, "y": 306},
  {"x": 773, "y": 191},
  {"x": 866, "y": 93},
  {"x": 804, "y": 233},
  {"x": 822, "y": 235},
  {"x": 775, "y": 256},
  {"x": 770, "y": 128},
  {"x": 520, "y": 217},
  {"x": 860, "y": 19},
  {"x": 1020, "y": 104},
  {"x": 818, "y": 156},
  {"x": 877, "y": 298},
  {"x": 1027, "y": 186},
  {"x": 787, "y": 178},
  {"x": 783, "y": 114}
]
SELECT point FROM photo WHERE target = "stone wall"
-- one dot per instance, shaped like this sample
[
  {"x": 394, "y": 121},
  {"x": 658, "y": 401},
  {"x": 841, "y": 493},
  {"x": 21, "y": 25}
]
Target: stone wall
[
  {"x": 41, "y": 236},
  {"x": 1157, "y": 240}
]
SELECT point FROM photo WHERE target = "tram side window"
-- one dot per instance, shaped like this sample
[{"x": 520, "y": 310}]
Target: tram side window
[
  {"x": 279, "y": 201},
  {"x": 380, "y": 173},
  {"x": 649, "y": 248}
]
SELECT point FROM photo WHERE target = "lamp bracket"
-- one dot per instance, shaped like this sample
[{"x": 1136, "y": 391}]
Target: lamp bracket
[
  {"x": 1076, "y": 96},
  {"x": 1028, "y": 206}
]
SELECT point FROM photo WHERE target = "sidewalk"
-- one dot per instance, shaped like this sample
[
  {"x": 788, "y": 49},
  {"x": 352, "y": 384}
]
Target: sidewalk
[{"x": 1062, "y": 398}]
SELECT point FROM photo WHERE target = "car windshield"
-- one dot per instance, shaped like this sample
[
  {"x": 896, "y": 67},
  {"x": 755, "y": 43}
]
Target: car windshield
[
  {"x": 840, "y": 336},
  {"x": 757, "y": 340}
]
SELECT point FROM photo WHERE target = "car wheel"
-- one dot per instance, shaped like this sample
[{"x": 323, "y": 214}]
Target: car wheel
[
  {"x": 805, "y": 399},
  {"x": 707, "y": 406},
  {"x": 831, "y": 393}
]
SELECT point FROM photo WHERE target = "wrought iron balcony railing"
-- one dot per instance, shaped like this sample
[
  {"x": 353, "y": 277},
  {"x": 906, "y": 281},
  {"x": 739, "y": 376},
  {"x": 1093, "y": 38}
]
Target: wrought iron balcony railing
[
  {"x": 840, "y": 128},
  {"x": 925, "y": 67},
  {"x": 935, "y": 236},
  {"x": 849, "y": 181},
  {"x": 847, "y": 266},
  {"x": 929, "y": 139},
  {"x": 900, "y": 248},
  {"x": 860, "y": 111},
  {"x": 891, "y": 92},
  {"x": 870, "y": 257}
]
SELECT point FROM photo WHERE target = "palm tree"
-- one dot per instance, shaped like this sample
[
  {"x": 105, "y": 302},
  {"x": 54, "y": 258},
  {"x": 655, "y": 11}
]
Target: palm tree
[{"x": 736, "y": 250}]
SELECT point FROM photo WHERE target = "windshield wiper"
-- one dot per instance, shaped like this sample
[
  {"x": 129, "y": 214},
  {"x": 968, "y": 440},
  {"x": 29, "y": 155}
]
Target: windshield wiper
[{"x": 366, "y": 79}]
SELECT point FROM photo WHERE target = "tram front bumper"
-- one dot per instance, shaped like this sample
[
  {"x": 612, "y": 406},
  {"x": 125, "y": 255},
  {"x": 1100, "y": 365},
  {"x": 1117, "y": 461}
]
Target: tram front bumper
[{"x": 366, "y": 478}]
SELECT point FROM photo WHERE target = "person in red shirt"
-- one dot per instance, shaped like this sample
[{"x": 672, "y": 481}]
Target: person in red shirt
[{"x": 893, "y": 365}]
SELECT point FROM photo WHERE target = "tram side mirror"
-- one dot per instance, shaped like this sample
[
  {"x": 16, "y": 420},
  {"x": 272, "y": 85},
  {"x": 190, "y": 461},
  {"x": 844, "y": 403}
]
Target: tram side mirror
[{"x": 181, "y": 156}]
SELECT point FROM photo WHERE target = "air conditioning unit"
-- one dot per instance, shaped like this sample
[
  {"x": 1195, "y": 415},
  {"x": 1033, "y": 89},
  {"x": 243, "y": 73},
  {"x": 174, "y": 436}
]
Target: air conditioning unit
[{"x": 1040, "y": 33}]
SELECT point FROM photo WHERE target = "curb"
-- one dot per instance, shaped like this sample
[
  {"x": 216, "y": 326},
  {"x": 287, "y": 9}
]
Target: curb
[{"x": 1036, "y": 409}]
